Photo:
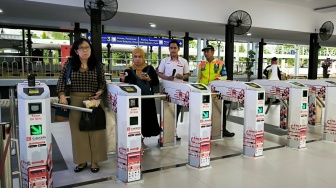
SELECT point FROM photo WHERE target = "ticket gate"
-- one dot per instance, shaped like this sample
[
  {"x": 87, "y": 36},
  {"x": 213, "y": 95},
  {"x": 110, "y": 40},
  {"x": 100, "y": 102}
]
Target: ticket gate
[
  {"x": 35, "y": 134},
  {"x": 125, "y": 100},
  {"x": 294, "y": 98},
  {"x": 252, "y": 96},
  {"x": 198, "y": 98},
  {"x": 322, "y": 91}
]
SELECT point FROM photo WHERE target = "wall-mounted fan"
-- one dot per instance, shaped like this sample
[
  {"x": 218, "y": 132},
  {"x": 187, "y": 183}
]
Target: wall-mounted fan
[
  {"x": 326, "y": 30},
  {"x": 241, "y": 21},
  {"x": 107, "y": 8},
  {"x": 99, "y": 10}
]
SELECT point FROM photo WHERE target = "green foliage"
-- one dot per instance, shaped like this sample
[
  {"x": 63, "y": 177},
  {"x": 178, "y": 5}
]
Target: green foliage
[
  {"x": 215, "y": 45},
  {"x": 290, "y": 62},
  {"x": 266, "y": 51},
  {"x": 249, "y": 64},
  {"x": 192, "y": 58},
  {"x": 56, "y": 59},
  {"x": 59, "y": 36},
  {"x": 192, "y": 44},
  {"x": 284, "y": 49},
  {"x": 120, "y": 57},
  {"x": 34, "y": 36},
  {"x": 44, "y": 35},
  {"x": 242, "y": 59},
  {"x": 242, "y": 49}
]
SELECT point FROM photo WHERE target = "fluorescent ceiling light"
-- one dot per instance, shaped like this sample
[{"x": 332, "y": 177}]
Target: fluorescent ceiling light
[
  {"x": 153, "y": 25},
  {"x": 249, "y": 34},
  {"x": 1, "y": 11}
]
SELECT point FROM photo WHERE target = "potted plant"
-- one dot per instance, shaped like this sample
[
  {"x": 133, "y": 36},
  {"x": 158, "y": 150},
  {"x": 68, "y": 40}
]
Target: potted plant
[{"x": 249, "y": 64}]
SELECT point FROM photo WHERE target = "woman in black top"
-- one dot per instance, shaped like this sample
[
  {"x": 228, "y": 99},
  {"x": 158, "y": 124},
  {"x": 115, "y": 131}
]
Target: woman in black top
[{"x": 145, "y": 77}]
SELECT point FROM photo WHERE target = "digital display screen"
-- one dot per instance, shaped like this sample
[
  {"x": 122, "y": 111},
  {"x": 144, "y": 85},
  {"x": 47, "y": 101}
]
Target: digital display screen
[
  {"x": 133, "y": 103},
  {"x": 260, "y": 110},
  {"x": 35, "y": 130},
  {"x": 305, "y": 93},
  {"x": 134, "y": 120},
  {"x": 33, "y": 91},
  {"x": 199, "y": 86},
  {"x": 205, "y": 115},
  {"x": 331, "y": 82},
  {"x": 34, "y": 108},
  {"x": 252, "y": 84},
  {"x": 304, "y": 106},
  {"x": 128, "y": 89},
  {"x": 206, "y": 98},
  {"x": 260, "y": 96},
  {"x": 297, "y": 84}
]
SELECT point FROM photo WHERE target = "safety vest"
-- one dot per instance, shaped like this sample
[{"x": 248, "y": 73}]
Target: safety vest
[{"x": 209, "y": 71}]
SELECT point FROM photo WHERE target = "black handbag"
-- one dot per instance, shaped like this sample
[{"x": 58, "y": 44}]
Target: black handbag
[
  {"x": 62, "y": 114},
  {"x": 93, "y": 121}
]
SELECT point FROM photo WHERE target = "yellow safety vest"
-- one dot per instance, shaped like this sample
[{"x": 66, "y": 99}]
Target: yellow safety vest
[{"x": 209, "y": 71}]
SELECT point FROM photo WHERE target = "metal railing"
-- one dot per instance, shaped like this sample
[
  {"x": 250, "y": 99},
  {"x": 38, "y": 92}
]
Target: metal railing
[
  {"x": 72, "y": 107},
  {"x": 5, "y": 158},
  {"x": 21, "y": 66}
]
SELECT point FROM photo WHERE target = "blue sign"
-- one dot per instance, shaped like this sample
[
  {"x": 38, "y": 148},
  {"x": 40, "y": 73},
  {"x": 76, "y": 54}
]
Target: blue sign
[
  {"x": 292, "y": 52},
  {"x": 134, "y": 40},
  {"x": 117, "y": 39},
  {"x": 147, "y": 41}
]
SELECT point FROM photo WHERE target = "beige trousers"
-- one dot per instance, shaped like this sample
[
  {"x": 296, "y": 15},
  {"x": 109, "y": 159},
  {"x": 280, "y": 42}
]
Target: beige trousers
[{"x": 87, "y": 146}]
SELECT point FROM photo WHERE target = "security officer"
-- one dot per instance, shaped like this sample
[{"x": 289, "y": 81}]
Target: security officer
[{"x": 210, "y": 70}]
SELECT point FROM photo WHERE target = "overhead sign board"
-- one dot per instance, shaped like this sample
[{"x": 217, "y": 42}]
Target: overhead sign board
[{"x": 134, "y": 40}]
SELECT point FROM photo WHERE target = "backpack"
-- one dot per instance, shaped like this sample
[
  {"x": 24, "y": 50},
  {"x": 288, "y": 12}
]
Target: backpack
[{"x": 143, "y": 85}]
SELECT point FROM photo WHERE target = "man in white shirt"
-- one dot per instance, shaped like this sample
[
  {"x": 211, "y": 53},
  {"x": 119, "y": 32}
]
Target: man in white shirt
[{"x": 174, "y": 68}]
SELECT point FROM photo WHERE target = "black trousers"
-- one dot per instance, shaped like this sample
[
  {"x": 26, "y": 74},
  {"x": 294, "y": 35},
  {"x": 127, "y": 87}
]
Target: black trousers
[
  {"x": 178, "y": 111},
  {"x": 224, "y": 116}
]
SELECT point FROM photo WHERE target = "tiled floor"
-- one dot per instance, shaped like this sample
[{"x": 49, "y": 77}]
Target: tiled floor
[{"x": 281, "y": 167}]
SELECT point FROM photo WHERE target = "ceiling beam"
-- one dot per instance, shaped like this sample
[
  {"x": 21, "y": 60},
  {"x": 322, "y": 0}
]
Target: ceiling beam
[{"x": 331, "y": 8}]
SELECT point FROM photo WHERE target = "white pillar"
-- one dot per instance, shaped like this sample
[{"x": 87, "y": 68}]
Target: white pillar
[
  {"x": 199, "y": 56},
  {"x": 283, "y": 64},
  {"x": 204, "y": 42},
  {"x": 248, "y": 48},
  {"x": 297, "y": 58},
  {"x": 219, "y": 45},
  {"x": 237, "y": 51},
  {"x": 199, "y": 50},
  {"x": 255, "y": 48}
]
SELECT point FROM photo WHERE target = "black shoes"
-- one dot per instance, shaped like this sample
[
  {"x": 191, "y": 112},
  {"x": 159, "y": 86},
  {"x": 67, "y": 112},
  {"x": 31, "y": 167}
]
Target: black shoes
[
  {"x": 95, "y": 170},
  {"x": 226, "y": 133},
  {"x": 178, "y": 138},
  {"x": 79, "y": 169}
]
